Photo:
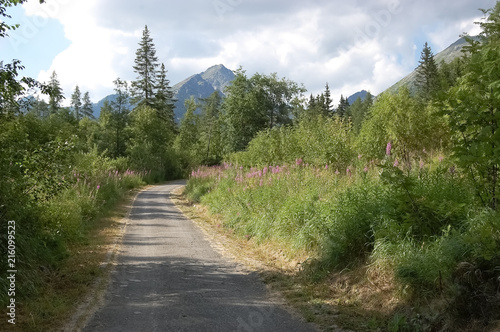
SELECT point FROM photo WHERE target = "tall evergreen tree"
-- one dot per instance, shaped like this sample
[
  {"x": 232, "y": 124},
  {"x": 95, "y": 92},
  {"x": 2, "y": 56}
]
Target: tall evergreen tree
[
  {"x": 76, "y": 103},
  {"x": 56, "y": 93},
  {"x": 87, "y": 109},
  {"x": 119, "y": 115},
  {"x": 164, "y": 99},
  {"x": 328, "y": 101},
  {"x": 427, "y": 80},
  {"x": 146, "y": 64},
  {"x": 343, "y": 108}
]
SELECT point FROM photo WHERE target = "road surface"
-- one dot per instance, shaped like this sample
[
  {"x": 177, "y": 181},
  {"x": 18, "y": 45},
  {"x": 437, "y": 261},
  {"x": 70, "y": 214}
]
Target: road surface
[{"x": 168, "y": 278}]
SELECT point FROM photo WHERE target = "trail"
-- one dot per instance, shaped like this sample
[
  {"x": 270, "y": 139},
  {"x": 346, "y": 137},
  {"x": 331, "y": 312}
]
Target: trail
[{"x": 169, "y": 278}]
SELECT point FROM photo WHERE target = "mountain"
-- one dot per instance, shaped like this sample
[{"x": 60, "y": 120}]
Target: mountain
[
  {"x": 361, "y": 94},
  {"x": 202, "y": 85},
  {"x": 448, "y": 55}
]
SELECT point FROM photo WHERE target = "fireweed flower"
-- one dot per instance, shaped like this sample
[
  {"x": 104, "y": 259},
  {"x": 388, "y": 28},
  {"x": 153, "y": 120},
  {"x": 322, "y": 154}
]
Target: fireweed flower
[
  {"x": 326, "y": 167},
  {"x": 388, "y": 149},
  {"x": 98, "y": 186},
  {"x": 396, "y": 163}
]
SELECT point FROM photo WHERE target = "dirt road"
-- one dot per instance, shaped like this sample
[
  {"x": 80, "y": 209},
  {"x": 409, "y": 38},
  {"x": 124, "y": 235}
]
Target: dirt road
[{"x": 168, "y": 278}]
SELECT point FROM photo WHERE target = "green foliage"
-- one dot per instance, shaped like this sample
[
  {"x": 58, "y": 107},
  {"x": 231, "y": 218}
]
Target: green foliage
[
  {"x": 404, "y": 121},
  {"x": 253, "y": 104},
  {"x": 318, "y": 141},
  {"x": 472, "y": 108}
]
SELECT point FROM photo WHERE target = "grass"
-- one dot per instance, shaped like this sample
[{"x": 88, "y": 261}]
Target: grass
[
  {"x": 362, "y": 239},
  {"x": 77, "y": 276}
]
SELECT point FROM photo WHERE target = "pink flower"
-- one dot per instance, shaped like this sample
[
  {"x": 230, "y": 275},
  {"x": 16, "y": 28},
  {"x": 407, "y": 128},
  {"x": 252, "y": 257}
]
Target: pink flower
[
  {"x": 337, "y": 172},
  {"x": 388, "y": 149},
  {"x": 348, "y": 171},
  {"x": 298, "y": 162},
  {"x": 396, "y": 163},
  {"x": 326, "y": 167},
  {"x": 98, "y": 187},
  {"x": 365, "y": 169}
]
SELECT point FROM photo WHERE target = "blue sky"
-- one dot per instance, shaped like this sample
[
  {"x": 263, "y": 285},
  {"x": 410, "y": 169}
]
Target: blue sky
[{"x": 352, "y": 45}]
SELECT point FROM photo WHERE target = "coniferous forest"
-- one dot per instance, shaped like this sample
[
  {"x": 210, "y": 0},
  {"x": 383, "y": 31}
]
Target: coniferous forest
[{"x": 403, "y": 186}]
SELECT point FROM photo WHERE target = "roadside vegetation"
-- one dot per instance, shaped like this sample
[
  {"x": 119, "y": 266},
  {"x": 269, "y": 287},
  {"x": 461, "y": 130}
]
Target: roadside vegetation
[{"x": 407, "y": 202}]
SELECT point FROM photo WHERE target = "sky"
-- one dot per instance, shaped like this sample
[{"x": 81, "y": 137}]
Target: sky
[{"x": 351, "y": 45}]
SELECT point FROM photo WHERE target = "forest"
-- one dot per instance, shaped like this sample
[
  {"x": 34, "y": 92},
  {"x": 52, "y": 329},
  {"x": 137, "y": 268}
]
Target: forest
[{"x": 403, "y": 184}]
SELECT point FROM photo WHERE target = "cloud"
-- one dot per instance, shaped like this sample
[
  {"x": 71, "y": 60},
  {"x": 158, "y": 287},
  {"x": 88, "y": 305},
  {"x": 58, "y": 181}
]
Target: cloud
[{"x": 352, "y": 45}]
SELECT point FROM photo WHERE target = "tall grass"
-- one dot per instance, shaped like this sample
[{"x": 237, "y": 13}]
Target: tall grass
[{"x": 419, "y": 221}]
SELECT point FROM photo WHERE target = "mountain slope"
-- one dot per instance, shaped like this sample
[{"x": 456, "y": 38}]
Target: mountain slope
[
  {"x": 215, "y": 78},
  {"x": 448, "y": 55}
]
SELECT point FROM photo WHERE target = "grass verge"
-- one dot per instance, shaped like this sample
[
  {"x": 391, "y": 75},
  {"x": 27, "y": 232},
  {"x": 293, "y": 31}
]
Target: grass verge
[{"x": 82, "y": 273}]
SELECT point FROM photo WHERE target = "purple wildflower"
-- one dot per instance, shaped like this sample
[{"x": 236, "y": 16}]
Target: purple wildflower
[{"x": 388, "y": 149}]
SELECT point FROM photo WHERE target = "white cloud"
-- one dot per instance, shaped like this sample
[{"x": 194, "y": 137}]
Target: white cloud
[{"x": 352, "y": 45}]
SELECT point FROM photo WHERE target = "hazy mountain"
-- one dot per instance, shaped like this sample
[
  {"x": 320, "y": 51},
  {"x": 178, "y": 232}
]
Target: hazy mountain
[
  {"x": 201, "y": 85},
  {"x": 448, "y": 55}
]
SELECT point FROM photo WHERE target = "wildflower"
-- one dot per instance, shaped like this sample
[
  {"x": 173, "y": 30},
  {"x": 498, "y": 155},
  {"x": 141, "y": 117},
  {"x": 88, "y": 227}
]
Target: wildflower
[
  {"x": 388, "y": 149},
  {"x": 98, "y": 186},
  {"x": 348, "y": 171},
  {"x": 396, "y": 163},
  {"x": 360, "y": 156},
  {"x": 365, "y": 169},
  {"x": 298, "y": 162},
  {"x": 337, "y": 172},
  {"x": 326, "y": 167}
]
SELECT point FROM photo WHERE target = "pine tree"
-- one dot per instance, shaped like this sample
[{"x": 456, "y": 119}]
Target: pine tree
[
  {"x": 427, "y": 80},
  {"x": 56, "y": 93},
  {"x": 146, "y": 63},
  {"x": 328, "y": 101},
  {"x": 87, "y": 109},
  {"x": 76, "y": 103},
  {"x": 164, "y": 99},
  {"x": 343, "y": 108}
]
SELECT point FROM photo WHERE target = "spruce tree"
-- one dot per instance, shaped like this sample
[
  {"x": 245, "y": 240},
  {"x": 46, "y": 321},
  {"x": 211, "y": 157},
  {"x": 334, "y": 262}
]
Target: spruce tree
[
  {"x": 328, "y": 101},
  {"x": 55, "y": 92},
  {"x": 146, "y": 64},
  {"x": 76, "y": 103},
  {"x": 164, "y": 99},
  {"x": 343, "y": 108},
  {"x": 427, "y": 80},
  {"x": 87, "y": 109}
]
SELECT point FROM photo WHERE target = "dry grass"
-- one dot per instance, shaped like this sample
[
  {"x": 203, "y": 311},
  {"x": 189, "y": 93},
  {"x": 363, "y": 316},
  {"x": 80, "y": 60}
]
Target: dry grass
[{"x": 362, "y": 299}]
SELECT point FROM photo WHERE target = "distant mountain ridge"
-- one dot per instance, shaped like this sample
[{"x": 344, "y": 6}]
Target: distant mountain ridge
[{"x": 202, "y": 85}]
